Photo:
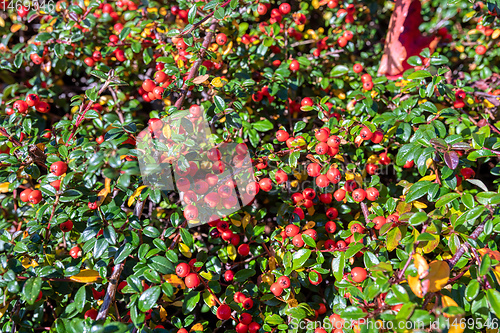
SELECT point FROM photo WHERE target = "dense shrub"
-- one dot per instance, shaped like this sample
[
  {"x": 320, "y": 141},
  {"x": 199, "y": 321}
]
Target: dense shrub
[{"x": 373, "y": 132}]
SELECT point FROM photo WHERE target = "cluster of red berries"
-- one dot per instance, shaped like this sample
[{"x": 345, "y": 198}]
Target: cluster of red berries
[
  {"x": 221, "y": 229},
  {"x": 460, "y": 95},
  {"x": 31, "y": 100}
]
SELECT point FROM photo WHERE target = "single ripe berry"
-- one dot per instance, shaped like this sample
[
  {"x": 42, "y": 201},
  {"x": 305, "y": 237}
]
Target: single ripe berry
[
  {"x": 291, "y": 230},
  {"x": 368, "y": 85},
  {"x": 266, "y": 184},
  {"x": 294, "y": 66},
  {"x": 359, "y": 195},
  {"x": 313, "y": 169},
  {"x": 365, "y": 133},
  {"x": 320, "y": 279},
  {"x": 372, "y": 193},
  {"x": 322, "y": 181},
  {"x": 92, "y": 314},
  {"x": 20, "y": 106},
  {"x": 75, "y": 252},
  {"x": 89, "y": 62},
  {"x": 342, "y": 41},
  {"x": 393, "y": 218},
  {"x": 371, "y": 169},
  {"x": 379, "y": 222},
  {"x": 224, "y": 312},
  {"x": 284, "y": 282},
  {"x": 244, "y": 249},
  {"x": 282, "y": 135},
  {"x": 221, "y": 39},
  {"x": 192, "y": 280},
  {"x": 307, "y": 101},
  {"x": 297, "y": 240},
  {"x": 358, "y": 274},
  {"x": 467, "y": 173},
  {"x": 35, "y": 197},
  {"x": 24, "y": 196},
  {"x": 333, "y": 141},
  {"x": 148, "y": 85},
  {"x": 281, "y": 176},
  {"x": 332, "y": 213},
  {"x": 357, "y": 68},
  {"x": 321, "y": 148},
  {"x": 330, "y": 227},
  {"x": 66, "y": 226},
  {"x": 284, "y": 8},
  {"x": 229, "y": 275},
  {"x": 334, "y": 175},
  {"x": 182, "y": 270},
  {"x": 276, "y": 289},
  {"x": 42, "y": 107},
  {"x": 261, "y": 9},
  {"x": 239, "y": 297},
  {"x": 311, "y": 233},
  {"x": 160, "y": 77},
  {"x": 32, "y": 99},
  {"x": 366, "y": 78},
  {"x": 59, "y": 168},
  {"x": 247, "y": 303},
  {"x": 322, "y": 135},
  {"x": 480, "y": 49},
  {"x": 253, "y": 327},
  {"x": 246, "y": 318},
  {"x": 377, "y": 137},
  {"x": 326, "y": 198}
]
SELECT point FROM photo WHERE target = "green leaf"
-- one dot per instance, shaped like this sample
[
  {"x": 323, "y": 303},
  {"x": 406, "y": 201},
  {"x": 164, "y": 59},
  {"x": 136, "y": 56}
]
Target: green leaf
[
  {"x": 418, "y": 218},
  {"x": 244, "y": 274},
  {"x": 493, "y": 297},
  {"x": 418, "y": 75},
  {"x": 161, "y": 264},
  {"x": 124, "y": 33},
  {"x": 300, "y": 257},
  {"x": 219, "y": 103},
  {"x": 339, "y": 70},
  {"x": 447, "y": 198},
  {"x": 148, "y": 298},
  {"x": 472, "y": 290},
  {"x": 31, "y": 289},
  {"x": 92, "y": 94},
  {"x": 338, "y": 266},
  {"x": 192, "y": 14},
  {"x": 417, "y": 190},
  {"x": 263, "y": 125},
  {"x": 190, "y": 301},
  {"x": 485, "y": 265},
  {"x": 309, "y": 240},
  {"x": 70, "y": 195},
  {"x": 80, "y": 299}
]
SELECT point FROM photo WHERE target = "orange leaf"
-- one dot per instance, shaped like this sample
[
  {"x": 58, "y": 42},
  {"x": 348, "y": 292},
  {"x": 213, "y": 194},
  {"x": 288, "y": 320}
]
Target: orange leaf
[
  {"x": 86, "y": 276},
  {"x": 439, "y": 274}
]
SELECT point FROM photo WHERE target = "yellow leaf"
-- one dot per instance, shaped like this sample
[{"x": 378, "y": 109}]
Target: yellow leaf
[
  {"x": 197, "y": 327},
  {"x": 448, "y": 301},
  {"x": 218, "y": 82},
  {"x": 163, "y": 313},
  {"x": 178, "y": 304},
  {"x": 309, "y": 225},
  {"x": 86, "y": 276},
  {"x": 311, "y": 211},
  {"x": 136, "y": 193},
  {"x": 4, "y": 187},
  {"x": 174, "y": 280},
  {"x": 415, "y": 285},
  {"x": 15, "y": 28},
  {"x": 339, "y": 157},
  {"x": 272, "y": 263},
  {"x": 421, "y": 265},
  {"x": 267, "y": 278},
  {"x": 439, "y": 274},
  {"x": 209, "y": 298},
  {"x": 246, "y": 219},
  {"x": 4, "y": 309},
  {"x": 292, "y": 302},
  {"x": 429, "y": 178},
  {"x": 419, "y": 205},
  {"x": 231, "y": 252},
  {"x": 207, "y": 275},
  {"x": 26, "y": 262},
  {"x": 236, "y": 222},
  {"x": 226, "y": 49},
  {"x": 184, "y": 249},
  {"x": 2, "y": 22}
]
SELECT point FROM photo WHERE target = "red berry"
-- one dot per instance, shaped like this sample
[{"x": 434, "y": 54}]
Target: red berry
[
  {"x": 332, "y": 213},
  {"x": 221, "y": 39},
  {"x": 311, "y": 233},
  {"x": 297, "y": 240},
  {"x": 326, "y": 198},
  {"x": 192, "y": 280},
  {"x": 372, "y": 193},
  {"x": 284, "y": 8},
  {"x": 20, "y": 106},
  {"x": 241, "y": 328},
  {"x": 384, "y": 159},
  {"x": 253, "y": 327},
  {"x": 339, "y": 194},
  {"x": 358, "y": 274},
  {"x": 322, "y": 135},
  {"x": 266, "y": 184},
  {"x": 291, "y": 230},
  {"x": 379, "y": 222},
  {"x": 148, "y": 85},
  {"x": 261, "y": 9},
  {"x": 89, "y": 62},
  {"x": 182, "y": 270},
  {"x": 24, "y": 195},
  {"x": 359, "y": 195},
  {"x": 322, "y": 148},
  {"x": 322, "y": 181},
  {"x": 276, "y": 289},
  {"x": 309, "y": 193},
  {"x": 239, "y": 297},
  {"x": 368, "y": 85},
  {"x": 35, "y": 197},
  {"x": 320, "y": 279},
  {"x": 333, "y": 141},
  {"x": 313, "y": 169},
  {"x": 330, "y": 227},
  {"x": 92, "y": 314},
  {"x": 244, "y": 249},
  {"x": 66, "y": 226},
  {"x": 32, "y": 99},
  {"x": 365, "y": 133},
  {"x": 342, "y": 41},
  {"x": 377, "y": 137},
  {"x": 357, "y": 68},
  {"x": 467, "y": 173},
  {"x": 393, "y": 218},
  {"x": 247, "y": 303},
  {"x": 59, "y": 168},
  {"x": 294, "y": 65},
  {"x": 75, "y": 252},
  {"x": 481, "y": 49},
  {"x": 282, "y": 135},
  {"x": 334, "y": 175},
  {"x": 246, "y": 318},
  {"x": 281, "y": 176},
  {"x": 371, "y": 169},
  {"x": 306, "y": 101},
  {"x": 284, "y": 282},
  {"x": 224, "y": 312}
]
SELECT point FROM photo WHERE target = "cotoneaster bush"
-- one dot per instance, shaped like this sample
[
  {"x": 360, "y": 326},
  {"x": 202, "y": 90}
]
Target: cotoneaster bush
[{"x": 374, "y": 134}]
